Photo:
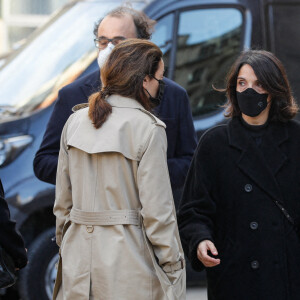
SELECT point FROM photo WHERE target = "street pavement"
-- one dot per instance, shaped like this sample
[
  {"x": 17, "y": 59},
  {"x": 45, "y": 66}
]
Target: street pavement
[
  {"x": 195, "y": 293},
  {"x": 192, "y": 293}
]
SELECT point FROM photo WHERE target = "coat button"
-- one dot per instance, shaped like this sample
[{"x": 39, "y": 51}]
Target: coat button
[
  {"x": 253, "y": 225},
  {"x": 248, "y": 187},
  {"x": 255, "y": 264},
  {"x": 89, "y": 228}
]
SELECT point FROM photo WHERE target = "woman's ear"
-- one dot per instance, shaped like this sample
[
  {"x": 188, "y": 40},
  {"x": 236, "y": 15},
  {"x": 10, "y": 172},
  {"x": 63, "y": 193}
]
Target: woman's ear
[
  {"x": 269, "y": 99},
  {"x": 146, "y": 81}
]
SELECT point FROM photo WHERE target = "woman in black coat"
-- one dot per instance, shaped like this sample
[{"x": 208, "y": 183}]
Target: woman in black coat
[
  {"x": 240, "y": 211},
  {"x": 10, "y": 239}
]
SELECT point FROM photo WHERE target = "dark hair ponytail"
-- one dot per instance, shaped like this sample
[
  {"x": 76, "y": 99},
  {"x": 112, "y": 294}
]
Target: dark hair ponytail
[
  {"x": 123, "y": 74},
  {"x": 99, "y": 108}
]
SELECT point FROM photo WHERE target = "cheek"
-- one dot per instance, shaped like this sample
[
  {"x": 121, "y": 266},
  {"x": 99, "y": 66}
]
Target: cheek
[
  {"x": 154, "y": 89},
  {"x": 240, "y": 89}
]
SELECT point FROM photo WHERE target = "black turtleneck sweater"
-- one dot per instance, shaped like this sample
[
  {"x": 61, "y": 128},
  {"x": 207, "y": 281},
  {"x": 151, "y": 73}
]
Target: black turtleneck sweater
[{"x": 256, "y": 131}]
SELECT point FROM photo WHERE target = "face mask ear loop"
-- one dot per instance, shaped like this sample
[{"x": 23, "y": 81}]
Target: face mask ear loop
[{"x": 148, "y": 92}]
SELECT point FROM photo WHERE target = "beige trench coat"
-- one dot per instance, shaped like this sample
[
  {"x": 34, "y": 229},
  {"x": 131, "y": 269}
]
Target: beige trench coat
[{"x": 115, "y": 219}]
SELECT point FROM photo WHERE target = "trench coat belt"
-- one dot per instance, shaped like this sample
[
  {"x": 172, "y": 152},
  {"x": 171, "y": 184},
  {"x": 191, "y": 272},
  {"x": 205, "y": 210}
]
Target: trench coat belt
[
  {"x": 105, "y": 217},
  {"x": 174, "y": 267}
]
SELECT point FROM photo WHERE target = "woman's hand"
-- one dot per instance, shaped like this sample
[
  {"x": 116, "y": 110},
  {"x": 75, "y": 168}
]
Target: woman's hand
[{"x": 202, "y": 255}]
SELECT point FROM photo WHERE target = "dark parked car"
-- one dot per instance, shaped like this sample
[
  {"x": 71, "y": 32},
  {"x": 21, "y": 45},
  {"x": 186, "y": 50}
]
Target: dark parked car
[{"x": 200, "y": 40}]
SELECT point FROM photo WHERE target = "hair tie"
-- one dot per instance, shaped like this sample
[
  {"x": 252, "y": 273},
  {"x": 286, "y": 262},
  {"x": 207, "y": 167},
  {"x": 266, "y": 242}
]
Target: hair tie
[{"x": 104, "y": 92}]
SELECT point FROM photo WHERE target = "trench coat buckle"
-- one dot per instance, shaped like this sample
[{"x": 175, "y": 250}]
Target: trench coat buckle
[
  {"x": 89, "y": 228},
  {"x": 175, "y": 267}
]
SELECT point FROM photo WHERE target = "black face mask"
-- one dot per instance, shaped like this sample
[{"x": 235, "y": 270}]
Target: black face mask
[
  {"x": 156, "y": 101},
  {"x": 251, "y": 103}
]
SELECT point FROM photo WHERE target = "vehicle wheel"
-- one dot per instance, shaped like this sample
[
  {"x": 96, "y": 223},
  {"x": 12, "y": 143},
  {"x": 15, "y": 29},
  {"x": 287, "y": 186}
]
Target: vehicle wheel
[{"x": 36, "y": 281}]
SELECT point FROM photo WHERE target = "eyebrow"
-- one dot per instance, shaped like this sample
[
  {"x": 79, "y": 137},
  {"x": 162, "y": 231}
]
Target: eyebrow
[{"x": 246, "y": 79}]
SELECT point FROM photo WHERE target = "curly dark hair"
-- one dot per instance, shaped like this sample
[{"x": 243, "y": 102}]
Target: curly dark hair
[
  {"x": 271, "y": 74},
  {"x": 144, "y": 26}
]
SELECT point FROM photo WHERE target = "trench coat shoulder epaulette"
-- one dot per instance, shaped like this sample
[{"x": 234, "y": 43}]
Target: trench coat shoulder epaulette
[
  {"x": 155, "y": 120},
  {"x": 79, "y": 106}
]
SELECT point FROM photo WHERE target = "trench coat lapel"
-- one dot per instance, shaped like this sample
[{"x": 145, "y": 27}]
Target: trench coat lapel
[
  {"x": 92, "y": 85},
  {"x": 261, "y": 165}
]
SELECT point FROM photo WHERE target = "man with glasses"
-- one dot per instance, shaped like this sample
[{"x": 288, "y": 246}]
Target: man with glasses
[
  {"x": 173, "y": 108},
  {"x": 102, "y": 42}
]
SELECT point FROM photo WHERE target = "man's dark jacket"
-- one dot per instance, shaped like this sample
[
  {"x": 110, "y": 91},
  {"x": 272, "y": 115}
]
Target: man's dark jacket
[
  {"x": 230, "y": 198},
  {"x": 174, "y": 110},
  {"x": 10, "y": 239}
]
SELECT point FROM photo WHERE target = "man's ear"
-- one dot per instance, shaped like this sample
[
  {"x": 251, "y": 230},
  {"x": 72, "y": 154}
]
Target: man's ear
[{"x": 146, "y": 81}]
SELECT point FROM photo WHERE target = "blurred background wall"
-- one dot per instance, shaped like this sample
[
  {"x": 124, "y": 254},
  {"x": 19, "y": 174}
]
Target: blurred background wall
[{"x": 18, "y": 18}]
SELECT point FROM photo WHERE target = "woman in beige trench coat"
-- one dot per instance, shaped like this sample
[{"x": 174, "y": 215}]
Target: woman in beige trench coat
[{"x": 115, "y": 219}]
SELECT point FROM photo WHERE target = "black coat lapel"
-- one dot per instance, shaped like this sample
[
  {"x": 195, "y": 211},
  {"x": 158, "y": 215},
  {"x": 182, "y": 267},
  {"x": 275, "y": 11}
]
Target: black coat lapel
[
  {"x": 261, "y": 165},
  {"x": 273, "y": 155}
]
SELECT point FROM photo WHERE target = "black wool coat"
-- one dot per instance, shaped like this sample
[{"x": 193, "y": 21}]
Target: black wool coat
[
  {"x": 10, "y": 238},
  {"x": 229, "y": 198}
]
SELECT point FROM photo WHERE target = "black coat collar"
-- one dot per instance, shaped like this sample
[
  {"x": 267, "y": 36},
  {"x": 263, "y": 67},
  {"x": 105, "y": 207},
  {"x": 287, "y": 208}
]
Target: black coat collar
[
  {"x": 261, "y": 165},
  {"x": 91, "y": 83},
  {"x": 238, "y": 138}
]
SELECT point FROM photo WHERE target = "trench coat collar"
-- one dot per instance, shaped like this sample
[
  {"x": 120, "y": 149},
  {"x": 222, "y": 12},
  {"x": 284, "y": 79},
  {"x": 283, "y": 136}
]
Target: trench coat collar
[
  {"x": 124, "y": 102},
  {"x": 261, "y": 165}
]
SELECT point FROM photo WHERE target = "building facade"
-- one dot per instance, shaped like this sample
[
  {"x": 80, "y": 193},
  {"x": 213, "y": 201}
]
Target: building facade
[{"x": 19, "y": 18}]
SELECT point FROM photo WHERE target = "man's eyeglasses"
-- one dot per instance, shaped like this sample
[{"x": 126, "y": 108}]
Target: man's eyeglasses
[{"x": 102, "y": 42}]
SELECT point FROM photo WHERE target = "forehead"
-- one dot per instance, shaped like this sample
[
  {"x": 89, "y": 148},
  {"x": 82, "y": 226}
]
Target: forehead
[
  {"x": 247, "y": 72},
  {"x": 111, "y": 27}
]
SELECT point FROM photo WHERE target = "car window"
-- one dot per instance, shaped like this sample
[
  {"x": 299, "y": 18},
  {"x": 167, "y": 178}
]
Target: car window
[
  {"x": 208, "y": 42},
  {"x": 284, "y": 22},
  {"x": 162, "y": 37}
]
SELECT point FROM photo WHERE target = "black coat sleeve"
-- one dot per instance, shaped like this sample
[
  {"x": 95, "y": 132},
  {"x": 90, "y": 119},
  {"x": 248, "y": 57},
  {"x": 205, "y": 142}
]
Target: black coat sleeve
[
  {"x": 185, "y": 144},
  {"x": 197, "y": 208},
  {"x": 10, "y": 239},
  {"x": 175, "y": 111},
  {"x": 46, "y": 158}
]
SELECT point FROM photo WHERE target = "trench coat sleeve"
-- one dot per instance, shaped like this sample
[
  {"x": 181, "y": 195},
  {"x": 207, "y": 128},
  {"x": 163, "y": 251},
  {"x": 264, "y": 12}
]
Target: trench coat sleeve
[
  {"x": 10, "y": 239},
  {"x": 63, "y": 193},
  {"x": 46, "y": 158},
  {"x": 155, "y": 193},
  {"x": 197, "y": 208}
]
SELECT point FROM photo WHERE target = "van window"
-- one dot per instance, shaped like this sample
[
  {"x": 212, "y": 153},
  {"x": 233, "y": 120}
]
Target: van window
[
  {"x": 209, "y": 41},
  {"x": 162, "y": 37},
  {"x": 284, "y": 22}
]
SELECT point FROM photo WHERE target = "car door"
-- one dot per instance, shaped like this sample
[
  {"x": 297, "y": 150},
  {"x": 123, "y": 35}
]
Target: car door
[{"x": 200, "y": 41}]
